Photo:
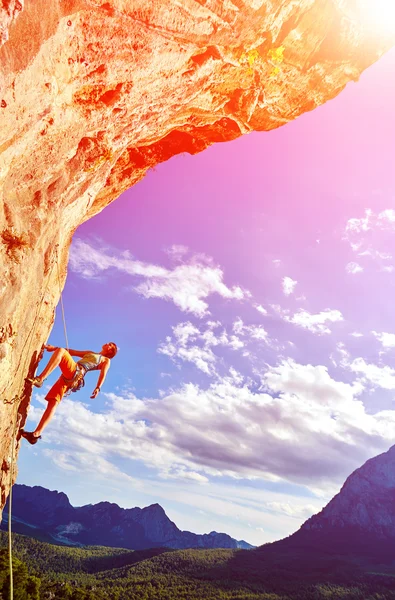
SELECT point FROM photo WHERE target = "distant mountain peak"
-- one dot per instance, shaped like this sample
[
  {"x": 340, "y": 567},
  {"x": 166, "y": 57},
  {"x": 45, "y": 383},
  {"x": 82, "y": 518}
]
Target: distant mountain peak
[
  {"x": 106, "y": 523},
  {"x": 360, "y": 519}
]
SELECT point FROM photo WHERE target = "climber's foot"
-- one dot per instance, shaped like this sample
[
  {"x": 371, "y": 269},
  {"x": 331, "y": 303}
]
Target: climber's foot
[
  {"x": 30, "y": 436},
  {"x": 36, "y": 381}
]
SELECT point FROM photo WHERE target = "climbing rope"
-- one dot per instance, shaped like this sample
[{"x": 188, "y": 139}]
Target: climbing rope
[
  {"x": 61, "y": 301},
  {"x": 10, "y": 510},
  {"x": 16, "y": 400}
]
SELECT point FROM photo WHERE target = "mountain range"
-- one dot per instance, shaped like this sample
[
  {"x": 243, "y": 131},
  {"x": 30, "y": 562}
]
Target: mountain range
[
  {"x": 49, "y": 516},
  {"x": 358, "y": 521},
  {"x": 345, "y": 551}
]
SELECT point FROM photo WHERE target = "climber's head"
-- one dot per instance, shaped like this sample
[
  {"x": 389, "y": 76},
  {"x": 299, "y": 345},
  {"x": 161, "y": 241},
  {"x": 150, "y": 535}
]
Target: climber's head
[{"x": 109, "y": 350}]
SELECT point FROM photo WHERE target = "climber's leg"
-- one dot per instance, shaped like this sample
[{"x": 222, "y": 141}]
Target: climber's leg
[
  {"x": 53, "y": 398},
  {"x": 68, "y": 366},
  {"x": 53, "y": 362},
  {"x": 33, "y": 436},
  {"x": 60, "y": 358},
  {"x": 47, "y": 416}
]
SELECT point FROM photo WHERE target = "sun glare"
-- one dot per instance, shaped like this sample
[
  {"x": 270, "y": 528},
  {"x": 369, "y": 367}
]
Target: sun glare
[{"x": 378, "y": 14}]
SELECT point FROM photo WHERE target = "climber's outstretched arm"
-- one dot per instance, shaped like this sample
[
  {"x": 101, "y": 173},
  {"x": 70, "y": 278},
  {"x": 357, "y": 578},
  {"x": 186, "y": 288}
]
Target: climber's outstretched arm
[
  {"x": 102, "y": 376},
  {"x": 80, "y": 353}
]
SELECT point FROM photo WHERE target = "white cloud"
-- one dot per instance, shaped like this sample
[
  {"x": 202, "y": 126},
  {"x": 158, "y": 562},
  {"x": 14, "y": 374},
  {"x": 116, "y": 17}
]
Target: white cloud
[
  {"x": 345, "y": 356},
  {"x": 353, "y": 268},
  {"x": 304, "y": 427},
  {"x": 188, "y": 285},
  {"x": 386, "y": 339},
  {"x": 375, "y": 254},
  {"x": 288, "y": 285},
  {"x": 316, "y": 323},
  {"x": 261, "y": 309},
  {"x": 190, "y": 344},
  {"x": 360, "y": 225},
  {"x": 383, "y": 377},
  {"x": 254, "y": 332},
  {"x": 202, "y": 358},
  {"x": 387, "y": 218}
]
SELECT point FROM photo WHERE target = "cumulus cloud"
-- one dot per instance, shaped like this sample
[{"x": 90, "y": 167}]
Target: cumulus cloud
[
  {"x": 303, "y": 426},
  {"x": 387, "y": 218},
  {"x": 316, "y": 323},
  {"x": 288, "y": 285},
  {"x": 201, "y": 346},
  {"x": 188, "y": 285},
  {"x": 383, "y": 377},
  {"x": 255, "y": 332},
  {"x": 202, "y": 358},
  {"x": 387, "y": 340},
  {"x": 190, "y": 344},
  {"x": 359, "y": 225}
]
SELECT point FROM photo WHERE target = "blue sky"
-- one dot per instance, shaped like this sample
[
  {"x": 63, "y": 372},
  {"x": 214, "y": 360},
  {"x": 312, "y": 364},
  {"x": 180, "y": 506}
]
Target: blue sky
[{"x": 250, "y": 291}]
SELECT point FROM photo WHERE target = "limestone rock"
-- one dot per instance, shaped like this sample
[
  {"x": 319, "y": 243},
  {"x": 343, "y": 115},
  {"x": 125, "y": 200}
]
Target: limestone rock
[
  {"x": 95, "y": 93},
  {"x": 9, "y": 10}
]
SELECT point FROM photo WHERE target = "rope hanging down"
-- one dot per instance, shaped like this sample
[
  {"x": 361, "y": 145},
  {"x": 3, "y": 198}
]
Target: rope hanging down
[
  {"x": 16, "y": 400},
  {"x": 61, "y": 301}
]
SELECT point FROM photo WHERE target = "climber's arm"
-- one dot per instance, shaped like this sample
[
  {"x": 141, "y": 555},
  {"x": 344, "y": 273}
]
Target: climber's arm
[
  {"x": 80, "y": 353},
  {"x": 103, "y": 372}
]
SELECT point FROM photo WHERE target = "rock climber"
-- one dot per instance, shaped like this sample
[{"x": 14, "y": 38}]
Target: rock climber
[{"x": 71, "y": 379}]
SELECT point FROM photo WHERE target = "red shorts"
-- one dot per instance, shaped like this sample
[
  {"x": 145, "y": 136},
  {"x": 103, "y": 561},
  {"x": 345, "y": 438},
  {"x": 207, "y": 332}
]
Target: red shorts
[{"x": 68, "y": 366}]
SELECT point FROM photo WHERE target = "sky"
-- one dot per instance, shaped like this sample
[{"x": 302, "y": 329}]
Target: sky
[{"x": 250, "y": 290}]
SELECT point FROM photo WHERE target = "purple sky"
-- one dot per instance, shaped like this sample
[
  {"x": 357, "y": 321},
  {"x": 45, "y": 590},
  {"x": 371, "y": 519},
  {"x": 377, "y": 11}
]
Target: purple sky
[{"x": 250, "y": 291}]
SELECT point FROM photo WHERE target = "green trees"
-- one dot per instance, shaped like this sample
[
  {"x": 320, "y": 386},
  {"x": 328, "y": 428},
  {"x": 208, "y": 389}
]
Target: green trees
[
  {"x": 46, "y": 572},
  {"x": 26, "y": 587}
]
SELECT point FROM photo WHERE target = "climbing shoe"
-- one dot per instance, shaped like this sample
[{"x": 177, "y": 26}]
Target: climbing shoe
[
  {"x": 36, "y": 381},
  {"x": 29, "y": 436}
]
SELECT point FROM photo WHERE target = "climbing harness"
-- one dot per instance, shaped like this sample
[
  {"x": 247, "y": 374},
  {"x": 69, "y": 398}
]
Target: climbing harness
[
  {"x": 84, "y": 365},
  {"x": 77, "y": 381}
]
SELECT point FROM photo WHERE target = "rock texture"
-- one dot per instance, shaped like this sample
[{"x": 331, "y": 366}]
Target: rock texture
[
  {"x": 360, "y": 519},
  {"x": 51, "y": 515},
  {"x": 95, "y": 93},
  {"x": 366, "y": 500}
]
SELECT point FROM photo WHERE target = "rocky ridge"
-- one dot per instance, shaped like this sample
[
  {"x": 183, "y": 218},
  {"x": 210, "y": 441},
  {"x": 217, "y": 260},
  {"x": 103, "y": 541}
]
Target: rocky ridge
[
  {"x": 93, "y": 94},
  {"x": 360, "y": 519},
  {"x": 105, "y": 523}
]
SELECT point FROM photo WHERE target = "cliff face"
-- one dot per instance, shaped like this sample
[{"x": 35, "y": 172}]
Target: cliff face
[{"x": 92, "y": 94}]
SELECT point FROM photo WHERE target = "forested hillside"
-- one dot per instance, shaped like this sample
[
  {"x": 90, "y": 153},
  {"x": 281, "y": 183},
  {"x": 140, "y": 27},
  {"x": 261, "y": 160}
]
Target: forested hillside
[{"x": 97, "y": 573}]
